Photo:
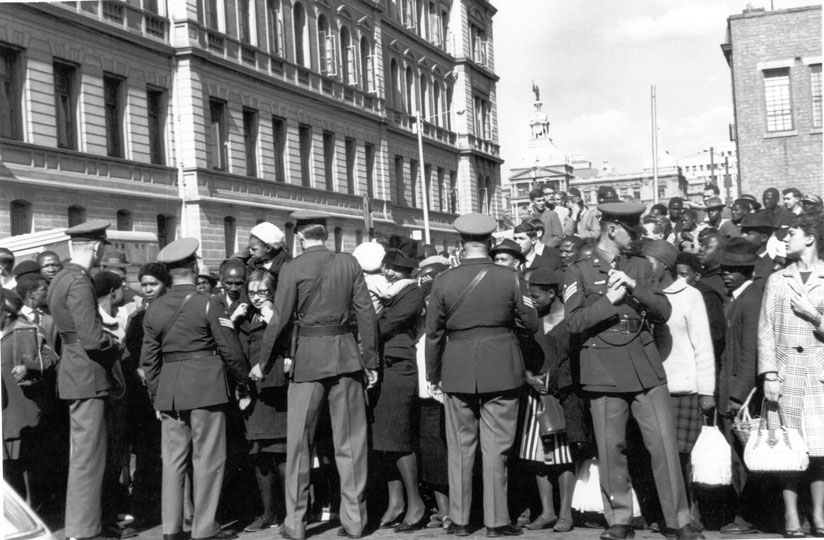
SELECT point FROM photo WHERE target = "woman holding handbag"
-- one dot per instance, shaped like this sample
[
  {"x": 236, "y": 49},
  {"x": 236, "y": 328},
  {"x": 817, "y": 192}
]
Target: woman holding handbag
[{"x": 791, "y": 359}]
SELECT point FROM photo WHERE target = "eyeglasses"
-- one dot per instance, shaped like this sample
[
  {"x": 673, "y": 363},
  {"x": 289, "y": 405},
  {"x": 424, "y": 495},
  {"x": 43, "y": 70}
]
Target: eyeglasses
[{"x": 263, "y": 292}]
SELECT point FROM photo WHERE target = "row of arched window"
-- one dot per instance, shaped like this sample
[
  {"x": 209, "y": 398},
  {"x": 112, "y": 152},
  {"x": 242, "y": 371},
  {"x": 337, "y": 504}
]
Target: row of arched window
[{"x": 410, "y": 91}]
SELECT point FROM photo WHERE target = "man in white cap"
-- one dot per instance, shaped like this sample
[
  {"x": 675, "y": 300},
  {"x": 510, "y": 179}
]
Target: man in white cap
[{"x": 266, "y": 248}]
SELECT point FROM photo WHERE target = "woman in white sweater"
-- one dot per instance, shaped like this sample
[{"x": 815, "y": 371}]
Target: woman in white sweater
[{"x": 686, "y": 348}]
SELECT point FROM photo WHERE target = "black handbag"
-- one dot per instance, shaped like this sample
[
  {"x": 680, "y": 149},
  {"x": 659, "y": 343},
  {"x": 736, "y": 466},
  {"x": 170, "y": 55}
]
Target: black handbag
[{"x": 552, "y": 420}]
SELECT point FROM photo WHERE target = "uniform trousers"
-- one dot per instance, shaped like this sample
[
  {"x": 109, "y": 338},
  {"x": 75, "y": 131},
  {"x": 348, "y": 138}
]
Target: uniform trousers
[
  {"x": 87, "y": 458},
  {"x": 199, "y": 435},
  {"x": 347, "y": 410},
  {"x": 493, "y": 416},
  {"x": 652, "y": 410}
]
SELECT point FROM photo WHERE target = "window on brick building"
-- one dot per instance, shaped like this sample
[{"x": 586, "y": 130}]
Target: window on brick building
[
  {"x": 442, "y": 189},
  {"x": 229, "y": 234},
  {"x": 250, "y": 137},
  {"x": 166, "y": 225},
  {"x": 77, "y": 215},
  {"x": 413, "y": 181},
  {"x": 156, "y": 112},
  {"x": 453, "y": 192},
  {"x": 11, "y": 103},
  {"x": 411, "y": 104},
  {"x": 65, "y": 109},
  {"x": 367, "y": 66},
  {"x": 399, "y": 183},
  {"x": 351, "y": 149},
  {"x": 329, "y": 160},
  {"x": 20, "y": 215},
  {"x": 348, "y": 56},
  {"x": 125, "y": 220},
  {"x": 369, "y": 152},
  {"x": 305, "y": 135},
  {"x": 113, "y": 104},
  {"x": 219, "y": 137},
  {"x": 478, "y": 45},
  {"x": 279, "y": 136},
  {"x": 778, "y": 99},
  {"x": 815, "y": 84}
]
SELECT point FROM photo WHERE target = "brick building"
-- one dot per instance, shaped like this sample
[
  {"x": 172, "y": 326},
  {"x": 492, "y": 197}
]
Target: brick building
[
  {"x": 203, "y": 117},
  {"x": 775, "y": 63}
]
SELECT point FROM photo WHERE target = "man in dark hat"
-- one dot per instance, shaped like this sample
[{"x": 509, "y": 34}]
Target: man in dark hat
[
  {"x": 508, "y": 253},
  {"x": 739, "y": 365},
  {"x": 811, "y": 203},
  {"x": 190, "y": 353},
  {"x": 87, "y": 355},
  {"x": 714, "y": 206},
  {"x": 757, "y": 229},
  {"x": 472, "y": 355},
  {"x": 609, "y": 305},
  {"x": 322, "y": 290}
]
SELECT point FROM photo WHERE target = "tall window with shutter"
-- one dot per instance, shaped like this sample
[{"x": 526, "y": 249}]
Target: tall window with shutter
[
  {"x": 11, "y": 103},
  {"x": 156, "y": 112},
  {"x": 113, "y": 103},
  {"x": 65, "y": 109},
  {"x": 218, "y": 136}
]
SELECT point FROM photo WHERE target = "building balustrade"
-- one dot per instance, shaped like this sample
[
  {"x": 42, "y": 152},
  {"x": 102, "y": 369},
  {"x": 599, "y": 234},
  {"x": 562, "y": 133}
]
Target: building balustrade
[{"x": 126, "y": 16}]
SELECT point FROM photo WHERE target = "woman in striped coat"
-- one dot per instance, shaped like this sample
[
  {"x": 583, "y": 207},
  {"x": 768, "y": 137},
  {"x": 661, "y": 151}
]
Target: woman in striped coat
[{"x": 791, "y": 358}]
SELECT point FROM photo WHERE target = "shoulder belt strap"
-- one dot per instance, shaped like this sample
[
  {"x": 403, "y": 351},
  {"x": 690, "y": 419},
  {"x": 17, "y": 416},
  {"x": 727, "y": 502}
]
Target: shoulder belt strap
[
  {"x": 466, "y": 292},
  {"x": 316, "y": 287},
  {"x": 177, "y": 312}
]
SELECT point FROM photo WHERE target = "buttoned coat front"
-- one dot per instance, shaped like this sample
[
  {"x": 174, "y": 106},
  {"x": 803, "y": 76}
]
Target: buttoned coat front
[{"x": 794, "y": 349}]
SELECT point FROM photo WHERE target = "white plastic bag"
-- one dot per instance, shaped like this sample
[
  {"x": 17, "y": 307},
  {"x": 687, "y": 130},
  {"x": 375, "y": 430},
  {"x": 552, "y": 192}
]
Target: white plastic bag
[
  {"x": 711, "y": 459},
  {"x": 587, "y": 494}
]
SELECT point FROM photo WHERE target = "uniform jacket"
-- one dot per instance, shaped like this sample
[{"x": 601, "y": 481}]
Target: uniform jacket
[
  {"x": 83, "y": 371},
  {"x": 739, "y": 361},
  {"x": 202, "y": 326},
  {"x": 342, "y": 300},
  {"x": 483, "y": 361},
  {"x": 612, "y": 361},
  {"x": 399, "y": 322}
]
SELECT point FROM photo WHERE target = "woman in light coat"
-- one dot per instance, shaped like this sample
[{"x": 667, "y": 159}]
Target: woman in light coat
[{"x": 791, "y": 359}]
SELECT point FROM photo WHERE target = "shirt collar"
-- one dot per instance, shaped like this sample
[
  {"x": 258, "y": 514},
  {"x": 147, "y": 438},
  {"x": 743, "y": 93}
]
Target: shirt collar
[{"x": 740, "y": 290}]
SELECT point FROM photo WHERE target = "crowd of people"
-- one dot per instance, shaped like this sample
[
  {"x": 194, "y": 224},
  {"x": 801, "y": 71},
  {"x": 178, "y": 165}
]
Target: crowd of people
[{"x": 333, "y": 386}]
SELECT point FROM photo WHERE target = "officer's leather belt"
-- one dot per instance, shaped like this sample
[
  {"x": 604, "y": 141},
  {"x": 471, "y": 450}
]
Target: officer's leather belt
[
  {"x": 626, "y": 326},
  {"x": 69, "y": 338},
  {"x": 325, "y": 330},
  {"x": 478, "y": 332},
  {"x": 171, "y": 357}
]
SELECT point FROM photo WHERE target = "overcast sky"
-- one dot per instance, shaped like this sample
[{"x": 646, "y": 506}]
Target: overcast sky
[{"x": 594, "y": 62}]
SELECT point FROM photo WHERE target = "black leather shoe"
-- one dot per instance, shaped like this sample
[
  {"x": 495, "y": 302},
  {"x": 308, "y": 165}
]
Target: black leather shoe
[
  {"x": 458, "y": 530},
  {"x": 506, "y": 530},
  {"x": 684, "y": 533},
  {"x": 404, "y": 527},
  {"x": 344, "y": 533},
  {"x": 618, "y": 532},
  {"x": 182, "y": 535},
  {"x": 225, "y": 534}
]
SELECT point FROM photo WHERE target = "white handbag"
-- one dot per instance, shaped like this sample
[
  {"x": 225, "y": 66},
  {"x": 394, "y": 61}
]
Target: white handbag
[
  {"x": 772, "y": 449},
  {"x": 711, "y": 458}
]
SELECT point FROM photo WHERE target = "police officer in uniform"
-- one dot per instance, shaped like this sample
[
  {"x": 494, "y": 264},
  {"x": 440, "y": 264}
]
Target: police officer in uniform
[
  {"x": 327, "y": 366},
  {"x": 609, "y": 306},
  {"x": 83, "y": 378},
  {"x": 189, "y": 345},
  {"x": 472, "y": 355}
]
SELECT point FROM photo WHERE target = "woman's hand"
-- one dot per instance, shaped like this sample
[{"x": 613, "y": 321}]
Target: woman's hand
[
  {"x": 19, "y": 373},
  {"x": 772, "y": 390},
  {"x": 240, "y": 311},
  {"x": 803, "y": 308},
  {"x": 256, "y": 373}
]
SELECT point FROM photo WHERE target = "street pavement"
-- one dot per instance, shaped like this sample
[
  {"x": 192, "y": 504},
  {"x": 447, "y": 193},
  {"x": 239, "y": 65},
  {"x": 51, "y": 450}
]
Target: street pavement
[{"x": 328, "y": 531}]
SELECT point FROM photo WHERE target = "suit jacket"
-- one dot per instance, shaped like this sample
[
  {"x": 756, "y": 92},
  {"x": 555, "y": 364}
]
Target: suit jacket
[
  {"x": 553, "y": 228},
  {"x": 87, "y": 357},
  {"x": 342, "y": 299},
  {"x": 612, "y": 361},
  {"x": 739, "y": 362},
  {"x": 203, "y": 326},
  {"x": 461, "y": 360}
]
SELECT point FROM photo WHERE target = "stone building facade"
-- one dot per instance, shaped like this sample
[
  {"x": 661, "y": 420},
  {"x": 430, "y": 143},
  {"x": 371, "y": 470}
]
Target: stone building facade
[
  {"x": 775, "y": 63},
  {"x": 203, "y": 117}
]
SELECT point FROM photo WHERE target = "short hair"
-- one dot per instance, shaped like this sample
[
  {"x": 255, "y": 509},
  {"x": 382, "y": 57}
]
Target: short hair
[
  {"x": 547, "y": 186},
  {"x": 662, "y": 209},
  {"x": 576, "y": 241},
  {"x": 536, "y": 193},
  {"x": 526, "y": 227},
  {"x": 794, "y": 191},
  {"x": 230, "y": 264},
  {"x": 689, "y": 212},
  {"x": 262, "y": 276},
  {"x": 713, "y": 187},
  {"x": 689, "y": 259},
  {"x": 105, "y": 282},
  {"x": 156, "y": 270},
  {"x": 661, "y": 225},
  {"x": 811, "y": 225},
  {"x": 45, "y": 254},
  {"x": 314, "y": 231},
  {"x": 6, "y": 258},
  {"x": 28, "y": 283},
  {"x": 574, "y": 192},
  {"x": 537, "y": 224},
  {"x": 721, "y": 239}
]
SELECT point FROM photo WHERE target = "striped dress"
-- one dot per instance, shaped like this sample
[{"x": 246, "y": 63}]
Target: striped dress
[
  {"x": 794, "y": 349},
  {"x": 551, "y": 450}
]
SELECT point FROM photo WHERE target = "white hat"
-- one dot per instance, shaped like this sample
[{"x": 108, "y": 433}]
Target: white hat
[
  {"x": 268, "y": 233},
  {"x": 370, "y": 256}
]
